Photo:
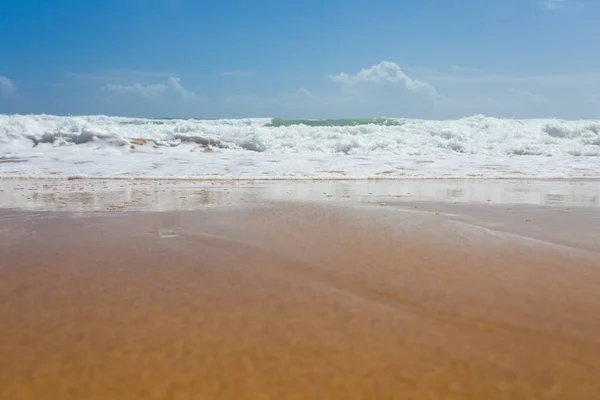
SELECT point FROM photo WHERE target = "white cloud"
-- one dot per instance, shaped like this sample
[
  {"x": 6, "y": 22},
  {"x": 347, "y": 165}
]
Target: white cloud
[
  {"x": 6, "y": 86},
  {"x": 153, "y": 91},
  {"x": 381, "y": 90},
  {"x": 387, "y": 72},
  {"x": 384, "y": 89},
  {"x": 303, "y": 92}
]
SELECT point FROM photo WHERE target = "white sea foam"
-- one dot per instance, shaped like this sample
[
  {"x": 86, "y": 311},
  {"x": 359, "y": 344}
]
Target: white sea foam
[{"x": 108, "y": 147}]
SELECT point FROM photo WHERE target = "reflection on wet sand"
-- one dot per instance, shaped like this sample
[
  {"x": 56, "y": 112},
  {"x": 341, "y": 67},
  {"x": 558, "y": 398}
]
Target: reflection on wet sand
[{"x": 98, "y": 195}]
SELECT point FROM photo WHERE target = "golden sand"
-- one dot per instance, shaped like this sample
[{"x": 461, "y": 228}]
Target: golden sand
[{"x": 291, "y": 302}]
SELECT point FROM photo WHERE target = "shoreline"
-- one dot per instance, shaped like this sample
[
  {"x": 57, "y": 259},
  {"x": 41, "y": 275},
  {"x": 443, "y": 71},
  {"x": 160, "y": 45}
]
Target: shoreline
[
  {"x": 82, "y": 194},
  {"x": 594, "y": 178}
]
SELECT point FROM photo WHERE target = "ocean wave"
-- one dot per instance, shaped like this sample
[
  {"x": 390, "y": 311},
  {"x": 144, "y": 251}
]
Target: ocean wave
[
  {"x": 276, "y": 122},
  {"x": 285, "y": 148},
  {"x": 403, "y": 137}
]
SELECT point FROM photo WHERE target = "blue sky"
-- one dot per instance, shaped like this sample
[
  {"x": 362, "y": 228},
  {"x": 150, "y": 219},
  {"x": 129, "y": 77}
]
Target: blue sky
[{"x": 301, "y": 59}]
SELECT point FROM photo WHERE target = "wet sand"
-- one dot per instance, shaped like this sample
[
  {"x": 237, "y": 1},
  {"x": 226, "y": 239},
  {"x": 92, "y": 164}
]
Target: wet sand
[{"x": 299, "y": 300}]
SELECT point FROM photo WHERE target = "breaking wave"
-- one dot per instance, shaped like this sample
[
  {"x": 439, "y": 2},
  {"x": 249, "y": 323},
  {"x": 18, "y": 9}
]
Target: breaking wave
[
  {"x": 101, "y": 146},
  {"x": 477, "y": 135}
]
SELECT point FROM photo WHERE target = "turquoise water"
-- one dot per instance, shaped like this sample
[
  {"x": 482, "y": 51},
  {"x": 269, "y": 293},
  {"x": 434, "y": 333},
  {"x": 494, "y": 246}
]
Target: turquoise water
[{"x": 276, "y": 122}]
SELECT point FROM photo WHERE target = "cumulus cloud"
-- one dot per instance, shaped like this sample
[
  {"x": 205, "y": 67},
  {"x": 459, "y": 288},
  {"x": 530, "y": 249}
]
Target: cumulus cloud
[
  {"x": 144, "y": 99},
  {"x": 384, "y": 89},
  {"x": 385, "y": 72},
  {"x": 6, "y": 86},
  {"x": 153, "y": 91}
]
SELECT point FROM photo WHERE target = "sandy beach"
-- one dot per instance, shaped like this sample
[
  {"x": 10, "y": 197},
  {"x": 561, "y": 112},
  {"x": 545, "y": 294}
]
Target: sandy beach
[
  {"x": 414, "y": 290},
  {"x": 260, "y": 200}
]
